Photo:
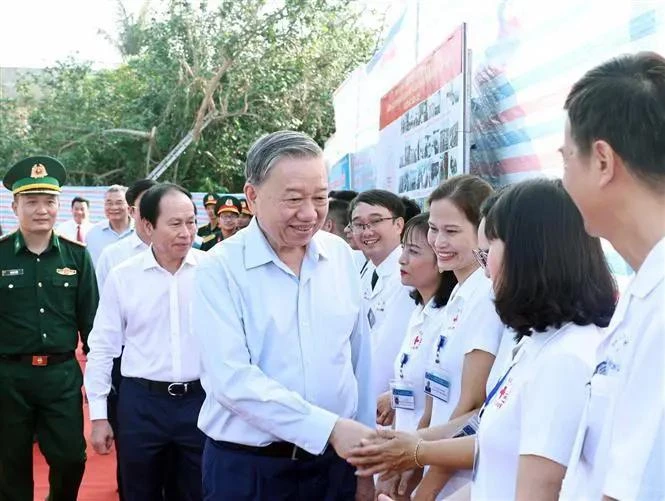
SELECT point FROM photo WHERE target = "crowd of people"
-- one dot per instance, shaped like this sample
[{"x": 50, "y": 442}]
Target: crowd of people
[{"x": 308, "y": 344}]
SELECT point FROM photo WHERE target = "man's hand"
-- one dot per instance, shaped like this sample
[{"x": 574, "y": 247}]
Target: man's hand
[
  {"x": 101, "y": 436},
  {"x": 347, "y": 434},
  {"x": 385, "y": 414}
]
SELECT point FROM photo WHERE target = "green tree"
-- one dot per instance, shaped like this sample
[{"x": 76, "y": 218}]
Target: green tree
[{"x": 251, "y": 67}]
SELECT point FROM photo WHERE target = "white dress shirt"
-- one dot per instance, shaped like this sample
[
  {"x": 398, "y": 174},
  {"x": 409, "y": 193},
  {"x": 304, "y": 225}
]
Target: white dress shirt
[
  {"x": 283, "y": 356},
  {"x": 148, "y": 309},
  {"x": 423, "y": 330},
  {"x": 536, "y": 408},
  {"x": 102, "y": 235},
  {"x": 115, "y": 254},
  {"x": 69, "y": 229},
  {"x": 620, "y": 446},
  {"x": 389, "y": 309}
]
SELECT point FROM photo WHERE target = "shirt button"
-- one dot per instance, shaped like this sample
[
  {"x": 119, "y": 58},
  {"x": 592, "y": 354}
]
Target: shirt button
[
  {"x": 11, "y": 286},
  {"x": 44, "y": 335},
  {"x": 39, "y": 284},
  {"x": 37, "y": 259},
  {"x": 66, "y": 284},
  {"x": 41, "y": 310}
]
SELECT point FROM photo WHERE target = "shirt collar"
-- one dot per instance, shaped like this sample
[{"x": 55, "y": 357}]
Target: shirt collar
[
  {"x": 651, "y": 273},
  {"x": 149, "y": 261},
  {"x": 106, "y": 225},
  {"x": 390, "y": 263},
  {"x": 258, "y": 250},
  {"x": 19, "y": 242},
  {"x": 471, "y": 284},
  {"x": 135, "y": 241}
]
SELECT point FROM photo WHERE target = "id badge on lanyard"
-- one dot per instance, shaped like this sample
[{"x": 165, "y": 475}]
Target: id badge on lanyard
[
  {"x": 437, "y": 381},
  {"x": 402, "y": 394}
]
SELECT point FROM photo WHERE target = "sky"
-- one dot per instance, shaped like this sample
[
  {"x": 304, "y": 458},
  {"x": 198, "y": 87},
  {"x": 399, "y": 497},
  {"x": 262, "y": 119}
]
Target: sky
[{"x": 37, "y": 33}]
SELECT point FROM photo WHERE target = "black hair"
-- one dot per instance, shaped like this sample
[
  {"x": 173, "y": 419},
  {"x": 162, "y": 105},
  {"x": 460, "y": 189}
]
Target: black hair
[
  {"x": 149, "y": 204},
  {"x": 338, "y": 211},
  {"x": 622, "y": 102},
  {"x": 411, "y": 208},
  {"x": 467, "y": 192},
  {"x": 380, "y": 198},
  {"x": 135, "y": 190},
  {"x": 489, "y": 202},
  {"x": 345, "y": 195},
  {"x": 447, "y": 279},
  {"x": 553, "y": 272},
  {"x": 80, "y": 200}
]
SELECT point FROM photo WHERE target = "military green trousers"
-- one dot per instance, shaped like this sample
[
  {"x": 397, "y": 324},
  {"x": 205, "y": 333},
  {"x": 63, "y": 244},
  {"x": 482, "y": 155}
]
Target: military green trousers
[{"x": 45, "y": 401}]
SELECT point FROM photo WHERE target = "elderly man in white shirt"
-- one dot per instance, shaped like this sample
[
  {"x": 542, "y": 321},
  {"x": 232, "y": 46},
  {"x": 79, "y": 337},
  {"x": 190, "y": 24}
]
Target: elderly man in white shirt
[
  {"x": 146, "y": 303},
  {"x": 377, "y": 221},
  {"x": 77, "y": 228},
  {"x": 117, "y": 225},
  {"x": 285, "y": 348},
  {"x": 614, "y": 169}
]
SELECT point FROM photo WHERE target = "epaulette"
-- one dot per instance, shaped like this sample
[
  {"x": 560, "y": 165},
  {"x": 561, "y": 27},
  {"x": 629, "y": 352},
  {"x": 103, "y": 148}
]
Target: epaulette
[
  {"x": 208, "y": 238},
  {"x": 66, "y": 239}
]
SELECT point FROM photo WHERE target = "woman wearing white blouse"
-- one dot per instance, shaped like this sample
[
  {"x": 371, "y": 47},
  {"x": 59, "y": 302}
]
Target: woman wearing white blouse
[
  {"x": 553, "y": 287},
  {"x": 404, "y": 404}
]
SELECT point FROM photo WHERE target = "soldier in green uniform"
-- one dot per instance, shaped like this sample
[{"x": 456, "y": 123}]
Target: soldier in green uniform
[
  {"x": 246, "y": 215},
  {"x": 208, "y": 232},
  {"x": 48, "y": 297}
]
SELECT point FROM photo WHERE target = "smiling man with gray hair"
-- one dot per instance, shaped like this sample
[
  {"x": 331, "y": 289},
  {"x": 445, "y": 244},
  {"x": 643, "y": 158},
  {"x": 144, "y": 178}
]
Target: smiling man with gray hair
[{"x": 285, "y": 344}]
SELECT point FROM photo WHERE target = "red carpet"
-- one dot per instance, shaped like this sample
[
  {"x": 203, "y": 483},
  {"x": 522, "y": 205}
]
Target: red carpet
[{"x": 99, "y": 479}]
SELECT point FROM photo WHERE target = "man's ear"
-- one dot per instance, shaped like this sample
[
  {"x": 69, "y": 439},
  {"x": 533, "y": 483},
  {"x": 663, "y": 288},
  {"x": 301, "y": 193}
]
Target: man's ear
[{"x": 328, "y": 225}]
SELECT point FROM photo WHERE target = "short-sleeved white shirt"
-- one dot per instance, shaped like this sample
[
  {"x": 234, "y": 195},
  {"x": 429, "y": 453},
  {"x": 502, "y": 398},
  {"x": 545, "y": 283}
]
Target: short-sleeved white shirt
[
  {"x": 620, "y": 446},
  {"x": 424, "y": 327},
  {"x": 536, "y": 409},
  {"x": 504, "y": 357},
  {"x": 470, "y": 323}
]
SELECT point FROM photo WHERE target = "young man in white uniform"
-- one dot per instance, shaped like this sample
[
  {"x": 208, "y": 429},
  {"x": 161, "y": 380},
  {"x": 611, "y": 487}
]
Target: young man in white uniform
[
  {"x": 377, "y": 221},
  {"x": 614, "y": 169}
]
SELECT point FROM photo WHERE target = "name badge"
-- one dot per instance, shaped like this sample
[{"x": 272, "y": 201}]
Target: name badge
[
  {"x": 437, "y": 384},
  {"x": 402, "y": 395},
  {"x": 469, "y": 428},
  {"x": 12, "y": 273}
]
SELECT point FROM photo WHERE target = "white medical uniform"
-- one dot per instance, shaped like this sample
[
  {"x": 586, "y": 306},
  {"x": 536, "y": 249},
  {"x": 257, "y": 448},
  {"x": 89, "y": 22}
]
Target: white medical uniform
[
  {"x": 470, "y": 323},
  {"x": 536, "y": 407},
  {"x": 389, "y": 309},
  {"x": 620, "y": 446},
  {"x": 412, "y": 359}
]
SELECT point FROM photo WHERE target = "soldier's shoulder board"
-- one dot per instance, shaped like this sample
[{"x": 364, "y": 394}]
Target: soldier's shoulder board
[
  {"x": 69, "y": 240},
  {"x": 6, "y": 236}
]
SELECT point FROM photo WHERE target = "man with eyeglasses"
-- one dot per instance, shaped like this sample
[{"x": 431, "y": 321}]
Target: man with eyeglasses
[
  {"x": 117, "y": 225},
  {"x": 377, "y": 222},
  {"x": 228, "y": 210}
]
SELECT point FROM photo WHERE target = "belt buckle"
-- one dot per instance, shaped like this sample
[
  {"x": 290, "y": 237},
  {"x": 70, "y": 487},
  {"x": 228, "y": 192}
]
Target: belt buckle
[
  {"x": 294, "y": 453},
  {"x": 184, "y": 387},
  {"x": 39, "y": 360}
]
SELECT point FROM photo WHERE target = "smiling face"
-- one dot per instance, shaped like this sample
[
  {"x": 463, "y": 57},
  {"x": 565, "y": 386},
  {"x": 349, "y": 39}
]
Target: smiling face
[
  {"x": 79, "y": 212},
  {"x": 291, "y": 203},
  {"x": 453, "y": 238},
  {"x": 116, "y": 209},
  {"x": 376, "y": 231},
  {"x": 418, "y": 266},
  {"x": 36, "y": 213}
]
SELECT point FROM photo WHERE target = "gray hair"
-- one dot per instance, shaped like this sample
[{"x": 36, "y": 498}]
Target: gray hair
[
  {"x": 117, "y": 188},
  {"x": 271, "y": 148}
]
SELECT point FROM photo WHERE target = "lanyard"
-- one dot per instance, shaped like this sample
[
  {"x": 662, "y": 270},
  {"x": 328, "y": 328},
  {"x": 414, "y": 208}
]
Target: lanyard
[
  {"x": 491, "y": 394},
  {"x": 440, "y": 346},
  {"x": 403, "y": 361}
]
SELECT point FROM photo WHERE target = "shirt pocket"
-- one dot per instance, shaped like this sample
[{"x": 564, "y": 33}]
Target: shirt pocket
[
  {"x": 65, "y": 282},
  {"x": 15, "y": 293}
]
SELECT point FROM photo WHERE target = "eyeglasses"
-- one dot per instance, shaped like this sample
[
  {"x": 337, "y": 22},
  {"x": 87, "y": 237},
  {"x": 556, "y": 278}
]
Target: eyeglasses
[
  {"x": 481, "y": 257},
  {"x": 370, "y": 225}
]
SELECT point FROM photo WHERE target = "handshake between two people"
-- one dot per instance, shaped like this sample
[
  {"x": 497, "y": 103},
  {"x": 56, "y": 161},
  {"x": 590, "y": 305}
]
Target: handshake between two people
[{"x": 372, "y": 452}]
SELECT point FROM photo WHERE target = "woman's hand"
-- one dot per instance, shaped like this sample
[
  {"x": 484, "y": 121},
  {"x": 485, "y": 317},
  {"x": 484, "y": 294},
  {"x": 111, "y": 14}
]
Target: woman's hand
[
  {"x": 385, "y": 414},
  {"x": 396, "y": 452}
]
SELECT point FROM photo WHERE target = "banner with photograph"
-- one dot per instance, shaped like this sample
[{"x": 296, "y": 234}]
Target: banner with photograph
[
  {"x": 422, "y": 140},
  {"x": 339, "y": 174}
]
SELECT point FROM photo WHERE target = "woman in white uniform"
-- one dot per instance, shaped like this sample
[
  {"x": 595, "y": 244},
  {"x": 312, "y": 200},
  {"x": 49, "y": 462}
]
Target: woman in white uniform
[
  {"x": 554, "y": 289},
  {"x": 404, "y": 404}
]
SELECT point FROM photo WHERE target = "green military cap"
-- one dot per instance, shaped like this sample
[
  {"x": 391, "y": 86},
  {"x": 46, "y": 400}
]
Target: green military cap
[
  {"x": 210, "y": 199},
  {"x": 227, "y": 203},
  {"x": 245, "y": 208},
  {"x": 38, "y": 174}
]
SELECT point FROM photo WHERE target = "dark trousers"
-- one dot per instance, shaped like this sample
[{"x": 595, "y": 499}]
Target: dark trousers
[
  {"x": 112, "y": 406},
  {"x": 46, "y": 401},
  {"x": 154, "y": 428},
  {"x": 230, "y": 474}
]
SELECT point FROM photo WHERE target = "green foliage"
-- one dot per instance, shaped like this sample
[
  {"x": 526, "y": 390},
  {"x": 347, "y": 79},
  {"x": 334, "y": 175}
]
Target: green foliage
[{"x": 255, "y": 66}]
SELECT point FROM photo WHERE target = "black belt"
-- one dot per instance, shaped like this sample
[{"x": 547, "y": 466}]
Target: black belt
[
  {"x": 171, "y": 389},
  {"x": 275, "y": 450},
  {"x": 39, "y": 360}
]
